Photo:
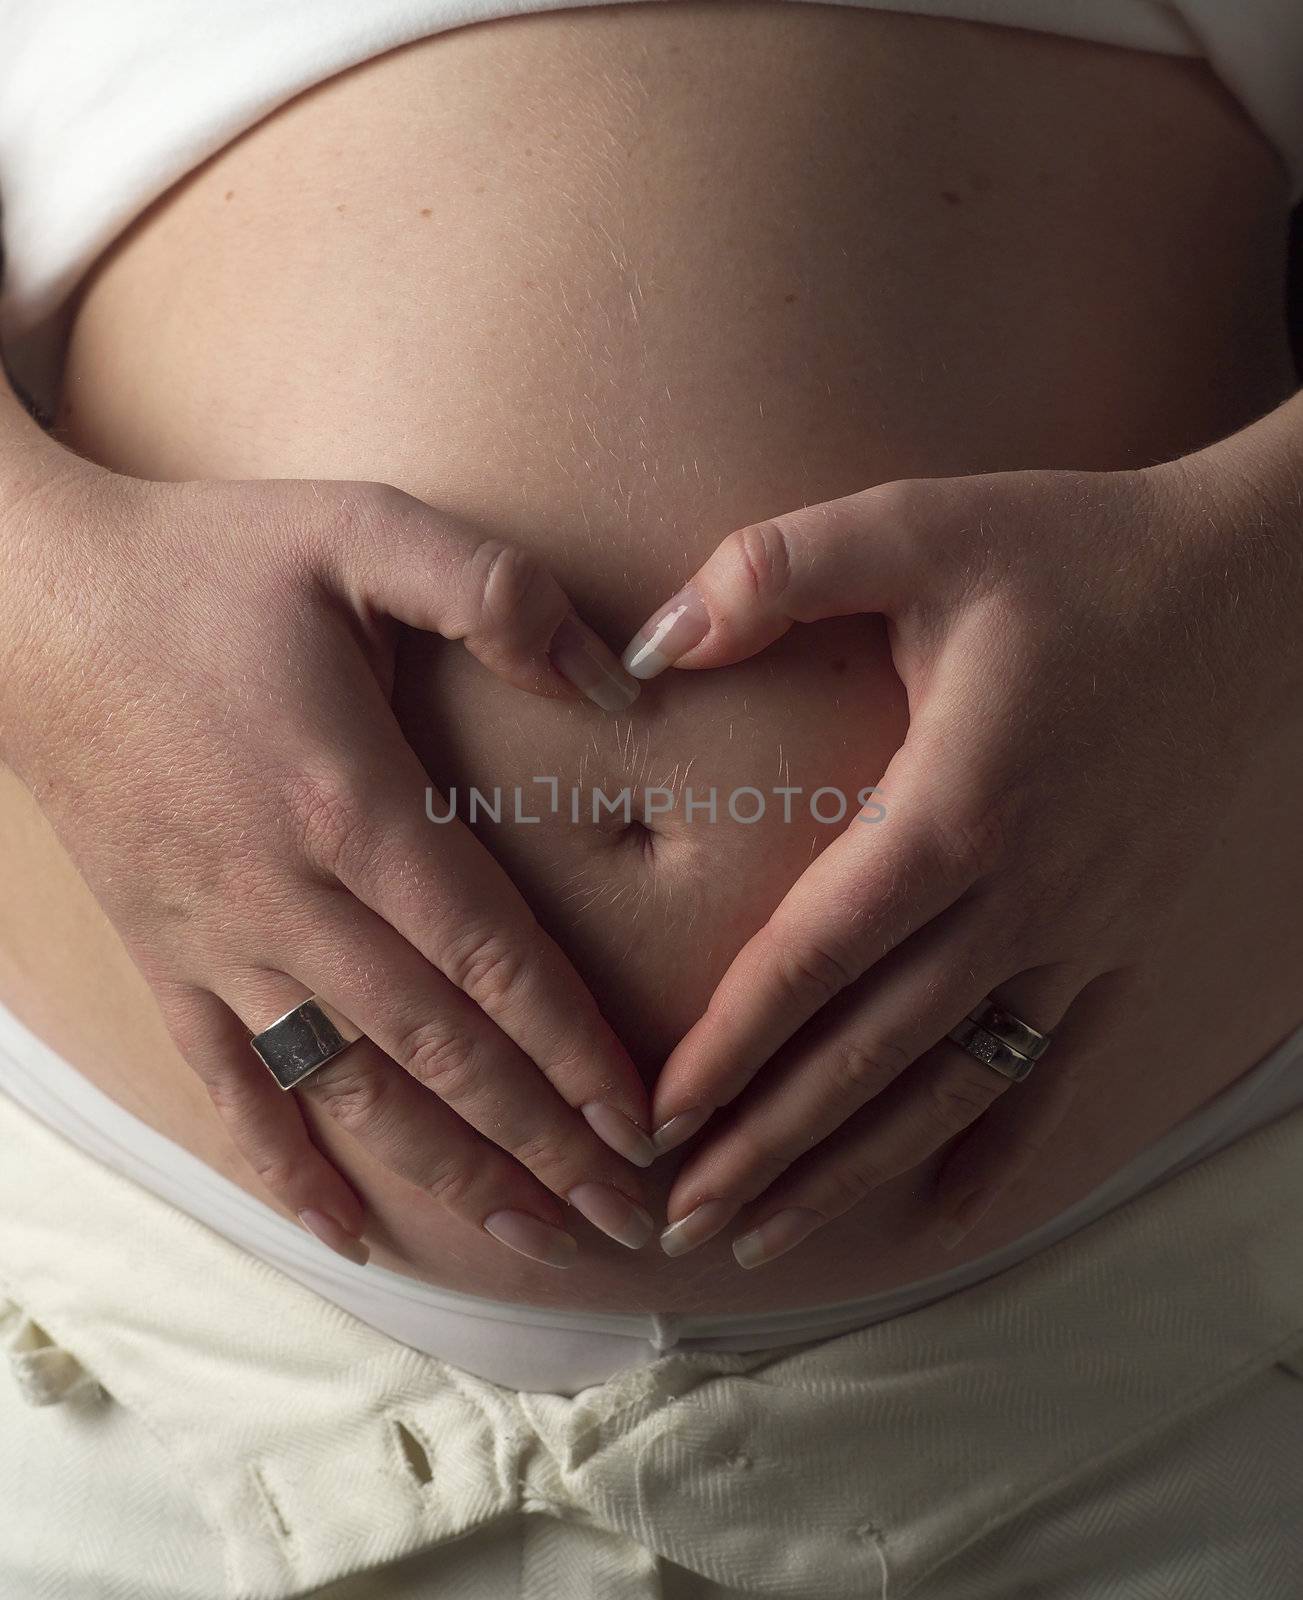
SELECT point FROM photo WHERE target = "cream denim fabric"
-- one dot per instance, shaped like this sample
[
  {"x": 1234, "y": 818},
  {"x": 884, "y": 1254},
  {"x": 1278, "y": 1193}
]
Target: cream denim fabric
[{"x": 1119, "y": 1417}]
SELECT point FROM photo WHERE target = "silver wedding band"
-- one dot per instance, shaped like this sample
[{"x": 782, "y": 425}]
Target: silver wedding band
[
  {"x": 1001, "y": 1041},
  {"x": 304, "y": 1040}
]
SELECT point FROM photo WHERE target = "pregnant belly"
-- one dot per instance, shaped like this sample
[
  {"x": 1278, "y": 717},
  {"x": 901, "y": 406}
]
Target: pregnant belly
[{"x": 610, "y": 283}]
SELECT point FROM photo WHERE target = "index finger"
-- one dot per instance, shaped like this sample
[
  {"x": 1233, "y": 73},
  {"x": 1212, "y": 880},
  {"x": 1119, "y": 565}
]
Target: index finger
[
  {"x": 439, "y": 887},
  {"x": 869, "y": 890}
]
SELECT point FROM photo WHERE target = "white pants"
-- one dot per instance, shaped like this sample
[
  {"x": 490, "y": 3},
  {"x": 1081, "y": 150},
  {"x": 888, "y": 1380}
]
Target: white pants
[{"x": 1117, "y": 1418}]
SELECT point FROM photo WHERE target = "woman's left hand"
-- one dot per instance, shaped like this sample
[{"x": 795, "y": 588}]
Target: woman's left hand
[{"x": 1079, "y": 680}]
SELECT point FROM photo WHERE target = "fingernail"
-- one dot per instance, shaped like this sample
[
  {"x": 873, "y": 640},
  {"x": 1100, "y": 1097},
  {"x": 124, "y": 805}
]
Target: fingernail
[
  {"x": 581, "y": 658},
  {"x": 614, "y": 1213},
  {"x": 960, "y": 1222},
  {"x": 613, "y": 1128},
  {"x": 667, "y": 634},
  {"x": 679, "y": 1128},
  {"x": 776, "y": 1234},
  {"x": 335, "y": 1235},
  {"x": 694, "y": 1229},
  {"x": 531, "y": 1236}
]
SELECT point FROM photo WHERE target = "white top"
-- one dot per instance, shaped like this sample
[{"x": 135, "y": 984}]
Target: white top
[
  {"x": 535, "y": 1347},
  {"x": 103, "y": 106}
]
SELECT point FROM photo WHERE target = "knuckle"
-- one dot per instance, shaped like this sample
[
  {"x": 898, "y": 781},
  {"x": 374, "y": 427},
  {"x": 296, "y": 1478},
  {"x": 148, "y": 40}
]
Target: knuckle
[
  {"x": 900, "y": 507},
  {"x": 972, "y": 842},
  {"x": 813, "y": 971},
  {"x": 329, "y": 815},
  {"x": 354, "y": 517},
  {"x": 485, "y": 968},
  {"x": 862, "y": 1067},
  {"x": 364, "y": 508},
  {"x": 764, "y": 559},
  {"x": 764, "y": 1159},
  {"x": 281, "y": 1173},
  {"x": 187, "y": 1028},
  {"x": 352, "y": 1096},
  {"x": 452, "y": 1186},
  {"x": 537, "y": 1152},
  {"x": 896, "y": 499},
  {"x": 954, "y": 1099},
  {"x": 847, "y": 1183},
  {"x": 505, "y": 579},
  {"x": 376, "y": 499},
  {"x": 279, "y": 1169},
  {"x": 230, "y": 1098},
  {"x": 437, "y": 1056}
]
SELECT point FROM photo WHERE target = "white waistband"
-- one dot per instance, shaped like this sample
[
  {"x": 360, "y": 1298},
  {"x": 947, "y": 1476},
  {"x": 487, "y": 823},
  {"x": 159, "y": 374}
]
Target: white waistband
[{"x": 580, "y": 1347}]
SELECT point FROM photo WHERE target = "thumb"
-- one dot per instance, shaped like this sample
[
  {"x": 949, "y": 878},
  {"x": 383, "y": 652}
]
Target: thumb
[
  {"x": 837, "y": 559},
  {"x": 432, "y": 572}
]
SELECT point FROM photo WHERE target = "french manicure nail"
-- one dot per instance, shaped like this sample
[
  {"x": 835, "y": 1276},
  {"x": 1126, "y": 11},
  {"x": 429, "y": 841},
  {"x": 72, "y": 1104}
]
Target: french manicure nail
[
  {"x": 776, "y": 1234},
  {"x": 613, "y": 1128},
  {"x": 667, "y": 634},
  {"x": 614, "y": 1213},
  {"x": 335, "y": 1235},
  {"x": 679, "y": 1128},
  {"x": 531, "y": 1236},
  {"x": 582, "y": 660},
  {"x": 698, "y": 1226}
]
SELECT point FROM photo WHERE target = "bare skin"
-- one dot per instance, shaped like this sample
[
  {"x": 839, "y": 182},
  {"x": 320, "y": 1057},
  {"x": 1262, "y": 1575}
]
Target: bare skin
[{"x": 659, "y": 300}]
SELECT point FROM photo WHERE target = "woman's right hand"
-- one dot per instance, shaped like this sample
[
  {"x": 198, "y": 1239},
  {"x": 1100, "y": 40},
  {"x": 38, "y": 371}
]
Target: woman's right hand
[{"x": 194, "y": 684}]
